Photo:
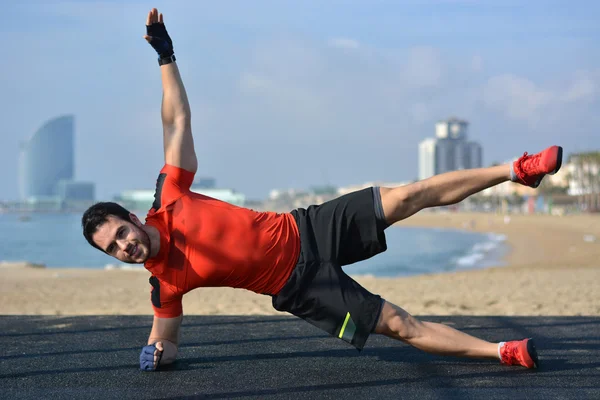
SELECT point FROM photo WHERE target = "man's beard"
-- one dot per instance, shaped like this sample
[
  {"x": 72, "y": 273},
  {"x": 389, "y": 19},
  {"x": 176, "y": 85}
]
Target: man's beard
[{"x": 145, "y": 240}]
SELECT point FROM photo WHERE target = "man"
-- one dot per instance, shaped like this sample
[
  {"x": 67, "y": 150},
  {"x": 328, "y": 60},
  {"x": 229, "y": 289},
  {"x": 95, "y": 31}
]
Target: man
[{"x": 190, "y": 241}]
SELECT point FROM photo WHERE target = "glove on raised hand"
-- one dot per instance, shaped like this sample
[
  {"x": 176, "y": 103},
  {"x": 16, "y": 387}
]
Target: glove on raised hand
[{"x": 158, "y": 37}]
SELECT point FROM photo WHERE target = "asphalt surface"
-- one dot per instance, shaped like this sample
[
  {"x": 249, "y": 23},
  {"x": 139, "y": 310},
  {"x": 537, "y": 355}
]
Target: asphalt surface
[{"x": 96, "y": 357}]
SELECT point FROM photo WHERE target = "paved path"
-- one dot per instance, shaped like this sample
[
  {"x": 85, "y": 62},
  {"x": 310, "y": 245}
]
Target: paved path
[{"x": 274, "y": 357}]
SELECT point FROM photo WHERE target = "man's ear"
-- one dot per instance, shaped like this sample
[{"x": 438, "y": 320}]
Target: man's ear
[{"x": 135, "y": 219}]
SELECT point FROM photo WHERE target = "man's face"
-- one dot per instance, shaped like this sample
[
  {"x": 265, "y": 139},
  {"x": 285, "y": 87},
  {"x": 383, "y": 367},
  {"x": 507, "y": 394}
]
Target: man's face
[{"x": 125, "y": 241}]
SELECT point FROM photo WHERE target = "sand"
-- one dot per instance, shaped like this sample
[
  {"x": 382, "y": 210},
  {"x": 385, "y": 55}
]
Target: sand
[{"x": 553, "y": 268}]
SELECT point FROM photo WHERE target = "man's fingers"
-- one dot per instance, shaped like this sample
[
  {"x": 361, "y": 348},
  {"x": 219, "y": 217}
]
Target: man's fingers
[
  {"x": 158, "y": 353},
  {"x": 154, "y": 17},
  {"x": 149, "y": 350},
  {"x": 147, "y": 366}
]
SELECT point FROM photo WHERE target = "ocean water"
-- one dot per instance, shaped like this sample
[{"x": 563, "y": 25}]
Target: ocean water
[
  {"x": 413, "y": 251},
  {"x": 56, "y": 241}
]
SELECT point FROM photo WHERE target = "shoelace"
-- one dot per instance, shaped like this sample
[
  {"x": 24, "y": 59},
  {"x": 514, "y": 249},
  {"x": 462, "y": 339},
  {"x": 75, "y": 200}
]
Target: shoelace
[
  {"x": 522, "y": 160},
  {"x": 519, "y": 169},
  {"x": 509, "y": 355}
]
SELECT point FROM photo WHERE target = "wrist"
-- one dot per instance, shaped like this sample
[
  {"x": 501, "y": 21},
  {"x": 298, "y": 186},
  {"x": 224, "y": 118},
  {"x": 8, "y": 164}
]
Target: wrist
[{"x": 166, "y": 60}]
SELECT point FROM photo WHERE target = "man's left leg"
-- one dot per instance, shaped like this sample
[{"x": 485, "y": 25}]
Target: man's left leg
[
  {"x": 443, "y": 340},
  {"x": 453, "y": 187}
]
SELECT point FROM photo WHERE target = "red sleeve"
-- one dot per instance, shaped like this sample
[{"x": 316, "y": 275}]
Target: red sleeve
[
  {"x": 171, "y": 184},
  {"x": 165, "y": 302}
]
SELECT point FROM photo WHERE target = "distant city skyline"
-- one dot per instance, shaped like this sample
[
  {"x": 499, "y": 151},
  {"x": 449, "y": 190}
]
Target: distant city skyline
[{"x": 293, "y": 95}]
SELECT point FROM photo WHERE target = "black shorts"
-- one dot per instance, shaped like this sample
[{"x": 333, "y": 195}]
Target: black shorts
[{"x": 336, "y": 233}]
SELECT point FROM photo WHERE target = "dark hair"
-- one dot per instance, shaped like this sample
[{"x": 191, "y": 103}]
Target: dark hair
[{"x": 97, "y": 215}]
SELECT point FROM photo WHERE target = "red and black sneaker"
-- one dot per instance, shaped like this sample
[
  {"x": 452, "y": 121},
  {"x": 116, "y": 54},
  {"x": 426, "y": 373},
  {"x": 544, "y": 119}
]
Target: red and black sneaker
[
  {"x": 519, "y": 352},
  {"x": 530, "y": 169}
]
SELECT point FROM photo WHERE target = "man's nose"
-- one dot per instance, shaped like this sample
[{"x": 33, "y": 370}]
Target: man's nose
[{"x": 122, "y": 244}]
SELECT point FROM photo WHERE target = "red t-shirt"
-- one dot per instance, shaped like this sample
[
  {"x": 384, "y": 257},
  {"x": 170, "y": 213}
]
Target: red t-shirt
[{"x": 208, "y": 242}]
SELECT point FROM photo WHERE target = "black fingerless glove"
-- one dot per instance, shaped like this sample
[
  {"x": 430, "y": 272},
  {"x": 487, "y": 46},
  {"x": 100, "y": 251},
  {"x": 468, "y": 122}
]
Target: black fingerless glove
[{"x": 160, "y": 40}]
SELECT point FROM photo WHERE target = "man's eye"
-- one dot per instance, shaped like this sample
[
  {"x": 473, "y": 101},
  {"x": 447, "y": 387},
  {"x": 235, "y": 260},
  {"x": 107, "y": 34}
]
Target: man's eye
[{"x": 120, "y": 233}]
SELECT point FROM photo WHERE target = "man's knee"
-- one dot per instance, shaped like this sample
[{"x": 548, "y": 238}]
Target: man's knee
[{"x": 397, "y": 323}]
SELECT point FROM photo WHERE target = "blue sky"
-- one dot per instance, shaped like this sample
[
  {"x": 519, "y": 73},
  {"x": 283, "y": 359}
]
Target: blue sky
[{"x": 293, "y": 94}]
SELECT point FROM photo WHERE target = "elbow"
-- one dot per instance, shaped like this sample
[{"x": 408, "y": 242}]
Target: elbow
[
  {"x": 184, "y": 118},
  {"x": 180, "y": 122},
  {"x": 183, "y": 111},
  {"x": 177, "y": 118}
]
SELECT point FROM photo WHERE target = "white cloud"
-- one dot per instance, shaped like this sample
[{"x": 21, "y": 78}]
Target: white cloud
[
  {"x": 284, "y": 74},
  {"x": 583, "y": 88},
  {"x": 518, "y": 98},
  {"x": 282, "y": 97},
  {"x": 521, "y": 99},
  {"x": 423, "y": 67},
  {"x": 343, "y": 43},
  {"x": 477, "y": 63},
  {"x": 251, "y": 82},
  {"x": 285, "y": 59}
]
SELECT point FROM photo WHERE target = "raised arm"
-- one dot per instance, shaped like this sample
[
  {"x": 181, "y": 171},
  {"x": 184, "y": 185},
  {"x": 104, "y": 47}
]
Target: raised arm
[
  {"x": 176, "y": 114},
  {"x": 162, "y": 343}
]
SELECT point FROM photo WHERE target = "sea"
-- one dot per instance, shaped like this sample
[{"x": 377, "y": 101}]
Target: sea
[{"x": 55, "y": 240}]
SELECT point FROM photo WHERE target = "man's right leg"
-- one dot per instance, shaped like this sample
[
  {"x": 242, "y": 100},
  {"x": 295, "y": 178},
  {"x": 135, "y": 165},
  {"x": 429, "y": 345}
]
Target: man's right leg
[
  {"x": 439, "y": 190},
  {"x": 453, "y": 187}
]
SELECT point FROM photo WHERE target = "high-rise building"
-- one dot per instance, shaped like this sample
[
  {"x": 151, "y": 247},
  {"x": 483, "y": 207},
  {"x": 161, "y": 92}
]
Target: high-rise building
[
  {"x": 427, "y": 158},
  {"x": 46, "y": 158},
  {"x": 452, "y": 128},
  {"x": 47, "y": 168},
  {"x": 450, "y": 150},
  {"x": 474, "y": 152}
]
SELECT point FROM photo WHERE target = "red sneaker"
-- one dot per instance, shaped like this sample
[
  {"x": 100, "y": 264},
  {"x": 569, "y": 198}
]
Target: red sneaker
[
  {"x": 519, "y": 352},
  {"x": 530, "y": 169}
]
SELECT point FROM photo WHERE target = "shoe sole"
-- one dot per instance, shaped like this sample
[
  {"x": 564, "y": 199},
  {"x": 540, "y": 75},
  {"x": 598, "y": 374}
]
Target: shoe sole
[
  {"x": 533, "y": 353},
  {"x": 559, "y": 153}
]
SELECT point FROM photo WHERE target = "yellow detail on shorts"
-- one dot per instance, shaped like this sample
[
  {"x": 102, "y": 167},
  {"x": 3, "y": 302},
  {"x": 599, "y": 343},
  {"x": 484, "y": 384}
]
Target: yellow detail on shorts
[{"x": 344, "y": 325}]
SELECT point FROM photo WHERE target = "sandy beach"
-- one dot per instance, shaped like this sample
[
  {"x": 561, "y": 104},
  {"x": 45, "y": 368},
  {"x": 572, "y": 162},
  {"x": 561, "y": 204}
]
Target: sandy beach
[{"x": 552, "y": 268}]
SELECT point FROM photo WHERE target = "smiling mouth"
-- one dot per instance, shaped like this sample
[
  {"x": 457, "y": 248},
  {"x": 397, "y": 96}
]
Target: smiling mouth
[{"x": 134, "y": 251}]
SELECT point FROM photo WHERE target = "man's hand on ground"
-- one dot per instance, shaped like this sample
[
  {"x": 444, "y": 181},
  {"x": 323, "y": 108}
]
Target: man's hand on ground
[
  {"x": 150, "y": 356},
  {"x": 157, "y": 35}
]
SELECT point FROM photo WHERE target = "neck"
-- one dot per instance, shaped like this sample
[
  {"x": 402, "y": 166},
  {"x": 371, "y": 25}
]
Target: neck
[{"x": 154, "y": 236}]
